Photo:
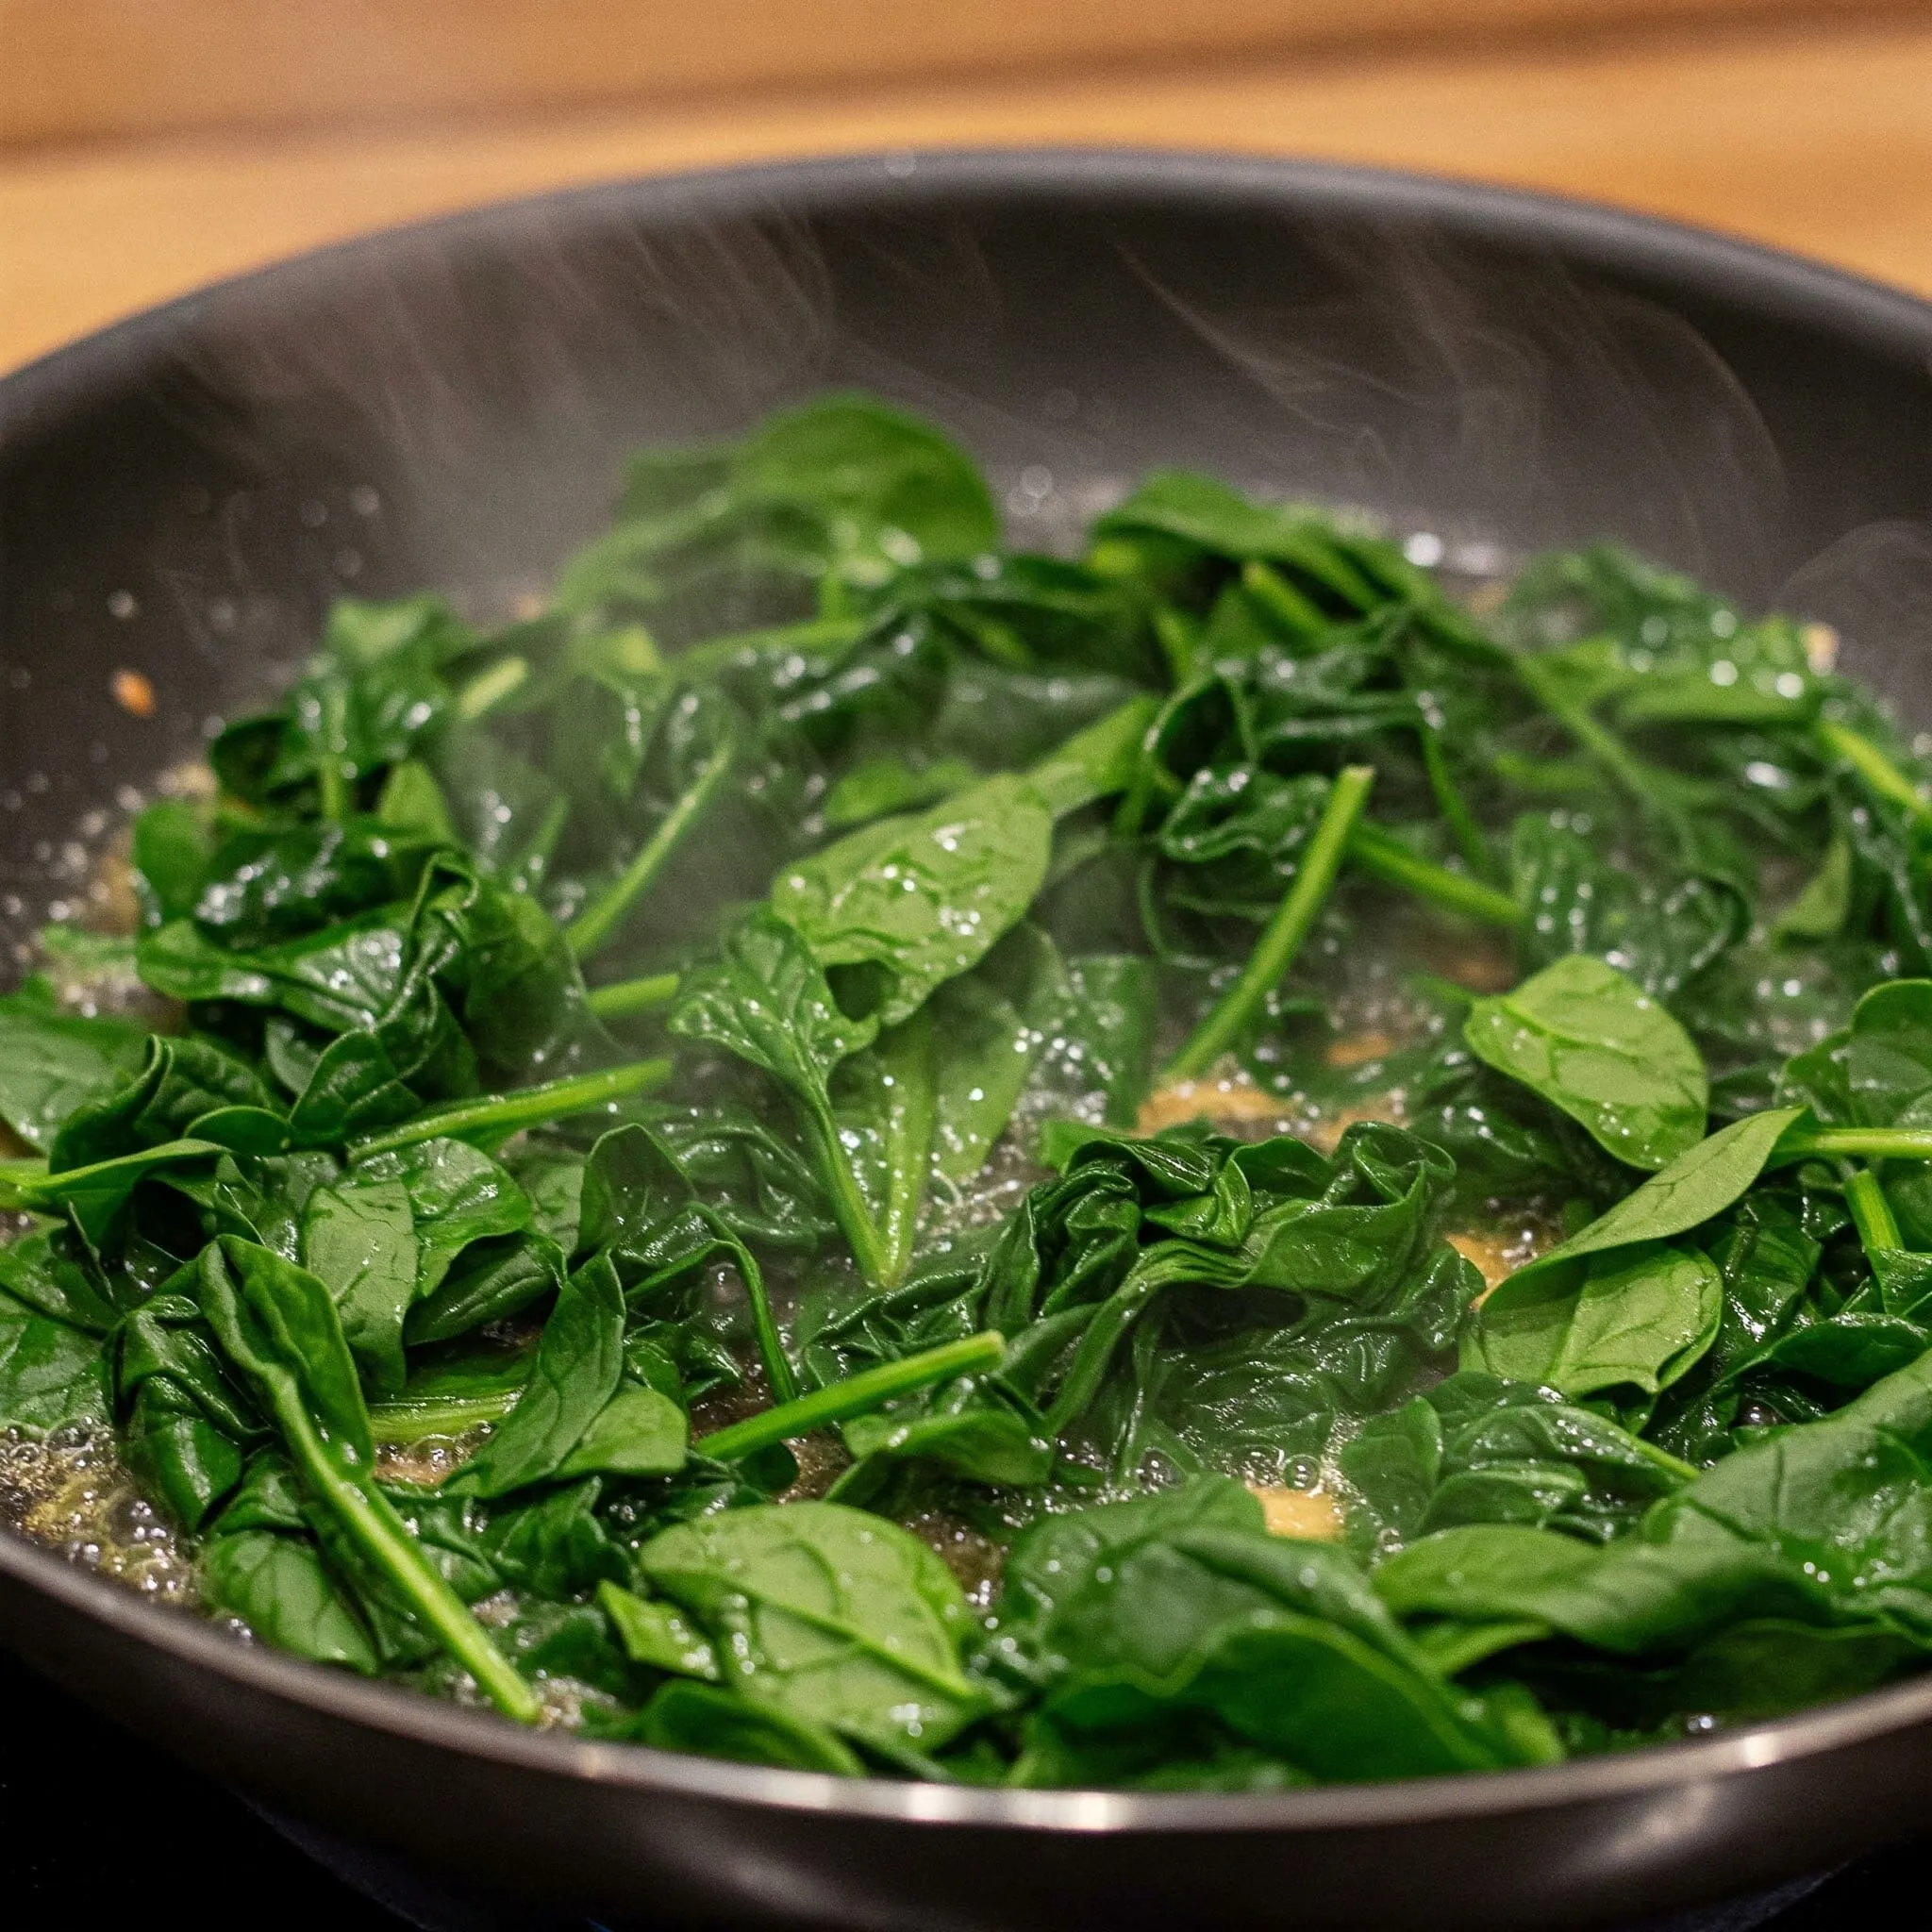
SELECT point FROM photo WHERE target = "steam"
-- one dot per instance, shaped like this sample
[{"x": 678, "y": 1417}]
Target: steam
[
  {"x": 1500, "y": 398},
  {"x": 452, "y": 409}
]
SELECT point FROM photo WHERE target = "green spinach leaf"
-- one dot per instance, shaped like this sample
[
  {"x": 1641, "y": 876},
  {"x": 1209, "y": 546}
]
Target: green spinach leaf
[{"x": 1590, "y": 1042}]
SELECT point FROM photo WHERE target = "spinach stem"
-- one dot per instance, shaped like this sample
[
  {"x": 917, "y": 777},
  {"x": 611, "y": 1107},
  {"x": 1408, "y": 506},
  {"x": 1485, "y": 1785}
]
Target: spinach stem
[
  {"x": 1455, "y": 809},
  {"x": 332, "y": 772},
  {"x": 1281, "y": 939},
  {"x": 1872, "y": 1214},
  {"x": 526, "y": 1107},
  {"x": 489, "y": 689},
  {"x": 1149, "y": 775},
  {"x": 1854, "y": 1143},
  {"x": 595, "y": 924},
  {"x": 371, "y": 1524},
  {"x": 1597, "y": 740},
  {"x": 764, "y": 1324},
  {"x": 1878, "y": 771},
  {"x": 14, "y": 1175},
  {"x": 1177, "y": 637},
  {"x": 1296, "y": 614},
  {"x": 1384, "y": 857},
  {"x": 623, "y": 998},
  {"x": 855, "y": 1395},
  {"x": 404, "y": 1422},
  {"x": 849, "y": 1206},
  {"x": 813, "y": 637}
]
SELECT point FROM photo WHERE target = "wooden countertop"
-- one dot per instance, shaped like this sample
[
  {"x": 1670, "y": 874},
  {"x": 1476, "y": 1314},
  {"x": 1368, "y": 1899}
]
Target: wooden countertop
[{"x": 1814, "y": 137}]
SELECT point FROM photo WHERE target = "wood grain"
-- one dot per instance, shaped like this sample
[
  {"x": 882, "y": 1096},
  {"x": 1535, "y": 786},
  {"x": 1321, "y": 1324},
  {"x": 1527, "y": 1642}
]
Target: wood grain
[
  {"x": 78, "y": 69},
  {"x": 1817, "y": 140}
]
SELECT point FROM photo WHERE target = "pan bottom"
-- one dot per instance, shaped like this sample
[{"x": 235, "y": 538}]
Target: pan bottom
[{"x": 425, "y": 1902}]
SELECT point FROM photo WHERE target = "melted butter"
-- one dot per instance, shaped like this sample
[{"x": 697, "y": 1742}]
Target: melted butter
[
  {"x": 1358, "y": 1049},
  {"x": 1229, "y": 1099},
  {"x": 72, "y": 1495},
  {"x": 1310, "y": 1515},
  {"x": 1499, "y": 1251},
  {"x": 424, "y": 1463}
]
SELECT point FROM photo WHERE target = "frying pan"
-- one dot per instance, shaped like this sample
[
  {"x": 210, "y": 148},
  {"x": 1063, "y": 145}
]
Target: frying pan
[{"x": 182, "y": 496}]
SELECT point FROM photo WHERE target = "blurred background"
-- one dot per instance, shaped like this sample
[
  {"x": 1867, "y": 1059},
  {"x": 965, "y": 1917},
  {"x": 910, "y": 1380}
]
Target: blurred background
[{"x": 147, "y": 146}]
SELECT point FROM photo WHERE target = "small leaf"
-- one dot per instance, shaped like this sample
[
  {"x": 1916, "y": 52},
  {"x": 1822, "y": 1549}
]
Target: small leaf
[
  {"x": 1593, "y": 1044},
  {"x": 580, "y": 1359},
  {"x": 53, "y": 1063},
  {"x": 638, "y": 1432},
  {"x": 828, "y": 1616},
  {"x": 1642, "y": 1317},
  {"x": 923, "y": 896},
  {"x": 1818, "y": 912},
  {"x": 1696, "y": 1186},
  {"x": 653, "y": 1633},
  {"x": 280, "y": 1588}
]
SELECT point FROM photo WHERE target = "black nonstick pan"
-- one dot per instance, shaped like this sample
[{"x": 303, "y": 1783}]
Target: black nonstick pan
[{"x": 181, "y": 497}]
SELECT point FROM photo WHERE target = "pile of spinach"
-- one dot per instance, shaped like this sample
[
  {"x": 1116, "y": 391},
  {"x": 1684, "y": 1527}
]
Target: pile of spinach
[{"x": 632, "y": 1159}]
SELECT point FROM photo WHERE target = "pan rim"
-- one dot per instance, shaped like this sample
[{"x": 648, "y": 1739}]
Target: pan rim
[
  {"x": 1765, "y": 281},
  {"x": 1596, "y": 234}
]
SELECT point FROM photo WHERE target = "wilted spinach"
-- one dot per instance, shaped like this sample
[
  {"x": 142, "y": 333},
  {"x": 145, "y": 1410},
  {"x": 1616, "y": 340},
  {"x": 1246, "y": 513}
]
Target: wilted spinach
[{"x": 674, "y": 1122}]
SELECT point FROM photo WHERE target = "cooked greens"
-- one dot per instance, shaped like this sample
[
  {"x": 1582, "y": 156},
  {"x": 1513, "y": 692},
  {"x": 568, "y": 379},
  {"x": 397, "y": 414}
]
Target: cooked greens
[{"x": 840, "y": 1150}]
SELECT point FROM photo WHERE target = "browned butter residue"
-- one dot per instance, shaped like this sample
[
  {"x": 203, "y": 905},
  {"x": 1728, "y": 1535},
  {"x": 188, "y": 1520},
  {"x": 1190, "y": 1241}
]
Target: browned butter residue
[
  {"x": 1231, "y": 1096},
  {"x": 1492, "y": 1252},
  {"x": 1357, "y": 1049},
  {"x": 1309, "y": 1515},
  {"x": 1232, "y": 1101}
]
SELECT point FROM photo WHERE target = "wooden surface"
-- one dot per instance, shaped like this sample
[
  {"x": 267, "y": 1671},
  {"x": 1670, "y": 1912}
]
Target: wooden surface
[
  {"x": 76, "y": 69},
  {"x": 1817, "y": 139}
]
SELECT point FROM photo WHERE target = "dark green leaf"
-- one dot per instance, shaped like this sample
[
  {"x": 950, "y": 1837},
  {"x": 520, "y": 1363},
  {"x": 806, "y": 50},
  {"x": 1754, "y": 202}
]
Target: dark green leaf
[
  {"x": 579, "y": 1361},
  {"x": 53, "y": 1062},
  {"x": 830, "y": 1616},
  {"x": 1592, "y": 1043}
]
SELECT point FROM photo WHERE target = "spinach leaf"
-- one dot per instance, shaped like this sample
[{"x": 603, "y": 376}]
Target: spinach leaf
[
  {"x": 341, "y": 975},
  {"x": 360, "y": 1241},
  {"x": 1696, "y": 1186},
  {"x": 52, "y": 1374},
  {"x": 493, "y": 1281},
  {"x": 766, "y": 1000},
  {"x": 1147, "y": 1607},
  {"x": 94, "y": 1195},
  {"x": 921, "y": 898},
  {"x": 1091, "y": 1018},
  {"x": 276, "y": 1324},
  {"x": 984, "y": 1052},
  {"x": 841, "y": 491},
  {"x": 1619, "y": 1303},
  {"x": 1662, "y": 931},
  {"x": 1823, "y": 1523},
  {"x": 717, "y": 1723},
  {"x": 640, "y": 1431},
  {"x": 579, "y": 1363},
  {"x": 883, "y": 786},
  {"x": 281, "y": 1587},
  {"x": 180, "y": 1084},
  {"x": 53, "y": 1062},
  {"x": 1590, "y": 1042},
  {"x": 386, "y": 1234},
  {"x": 830, "y": 1617},
  {"x": 1642, "y": 1316},
  {"x": 653, "y": 1633},
  {"x": 1478, "y": 1449}
]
